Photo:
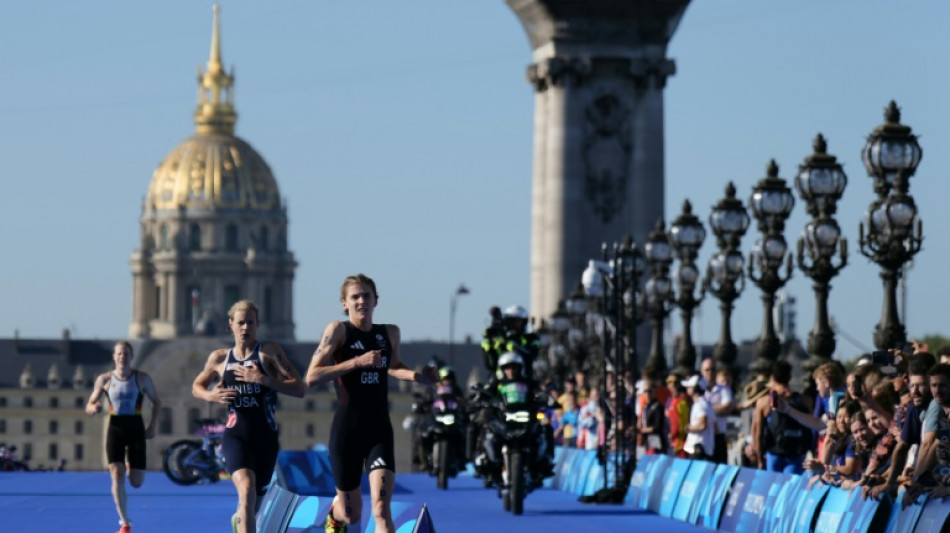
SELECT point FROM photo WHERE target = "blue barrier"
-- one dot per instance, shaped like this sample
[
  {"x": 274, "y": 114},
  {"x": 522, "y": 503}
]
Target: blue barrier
[{"x": 744, "y": 500}]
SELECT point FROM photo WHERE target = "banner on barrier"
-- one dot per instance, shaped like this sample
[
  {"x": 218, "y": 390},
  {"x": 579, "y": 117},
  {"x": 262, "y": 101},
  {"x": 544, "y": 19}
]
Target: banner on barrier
[
  {"x": 808, "y": 507},
  {"x": 696, "y": 478},
  {"x": 638, "y": 479},
  {"x": 650, "y": 499},
  {"x": 713, "y": 499},
  {"x": 671, "y": 485},
  {"x": 934, "y": 517}
]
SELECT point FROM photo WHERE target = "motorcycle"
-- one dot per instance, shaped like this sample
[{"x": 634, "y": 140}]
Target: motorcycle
[
  {"x": 517, "y": 455},
  {"x": 188, "y": 461},
  {"x": 444, "y": 434}
]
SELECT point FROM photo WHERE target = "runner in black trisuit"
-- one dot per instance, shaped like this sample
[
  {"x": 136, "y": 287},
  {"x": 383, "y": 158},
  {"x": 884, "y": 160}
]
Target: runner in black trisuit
[
  {"x": 125, "y": 438},
  {"x": 359, "y": 356},
  {"x": 252, "y": 373}
]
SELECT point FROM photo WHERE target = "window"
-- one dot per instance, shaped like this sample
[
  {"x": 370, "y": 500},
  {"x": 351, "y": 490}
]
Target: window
[
  {"x": 157, "y": 304},
  {"x": 232, "y": 293},
  {"x": 165, "y": 421},
  {"x": 311, "y": 405},
  {"x": 3, "y": 426},
  {"x": 268, "y": 303},
  {"x": 54, "y": 402},
  {"x": 53, "y": 451},
  {"x": 3, "y": 401},
  {"x": 163, "y": 237},
  {"x": 310, "y": 430},
  {"x": 27, "y": 401},
  {"x": 80, "y": 402},
  {"x": 78, "y": 427},
  {"x": 230, "y": 238},
  {"x": 265, "y": 238},
  {"x": 27, "y": 451},
  {"x": 53, "y": 427},
  {"x": 27, "y": 426},
  {"x": 194, "y": 417},
  {"x": 194, "y": 237},
  {"x": 77, "y": 452}
]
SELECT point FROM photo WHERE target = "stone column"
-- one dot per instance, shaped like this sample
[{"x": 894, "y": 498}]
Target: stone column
[{"x": 599, "y": 72}]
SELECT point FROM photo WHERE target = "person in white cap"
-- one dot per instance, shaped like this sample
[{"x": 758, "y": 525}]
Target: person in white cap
[{"x": 700, "y": 439}]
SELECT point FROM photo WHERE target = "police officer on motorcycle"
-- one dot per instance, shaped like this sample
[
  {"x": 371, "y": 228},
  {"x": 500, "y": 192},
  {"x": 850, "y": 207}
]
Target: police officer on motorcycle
[
  {"x": 509, "y": 333},
  {"x": 515, "y": 390}
]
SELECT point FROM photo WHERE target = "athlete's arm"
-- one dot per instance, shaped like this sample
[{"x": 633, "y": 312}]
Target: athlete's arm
[
  {"x": 758, "y": 419},
  {"x": 399, "y": 370},
  {"x": 321, "y": 364},
  {"x": 148, "y": 389},
  {"x": 94, "y": 406},
  {"x": 277, "y": 364},
  {"x": 219, "y": 394}
]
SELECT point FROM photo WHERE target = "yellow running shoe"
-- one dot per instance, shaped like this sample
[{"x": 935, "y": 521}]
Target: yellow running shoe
[{"x": 332, "y": 526}]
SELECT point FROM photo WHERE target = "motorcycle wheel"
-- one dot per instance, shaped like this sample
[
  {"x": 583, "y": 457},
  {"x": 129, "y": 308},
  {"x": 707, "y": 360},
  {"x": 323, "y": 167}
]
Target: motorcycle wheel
[
  {"x": 173, "y": 462},
  {"x": 516, "y": 491},
  {"x": 441, "y": 460}
]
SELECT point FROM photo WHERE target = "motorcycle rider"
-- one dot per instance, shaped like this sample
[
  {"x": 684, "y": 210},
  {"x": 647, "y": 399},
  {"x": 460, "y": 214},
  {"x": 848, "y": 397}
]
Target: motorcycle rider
[
  {"x": 515, "y": 390},
  {"x": 448, "y": 392},
  {"x": 510, "y": 335}
]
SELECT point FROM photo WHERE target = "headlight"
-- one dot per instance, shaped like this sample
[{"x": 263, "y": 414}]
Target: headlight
[{"x": 447, "y": 420}]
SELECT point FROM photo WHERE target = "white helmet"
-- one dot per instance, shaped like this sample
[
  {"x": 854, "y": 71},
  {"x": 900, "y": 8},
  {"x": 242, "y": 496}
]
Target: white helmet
[
  {"x": 510, "y": 358},
  {"x": 515, "y": 311}
]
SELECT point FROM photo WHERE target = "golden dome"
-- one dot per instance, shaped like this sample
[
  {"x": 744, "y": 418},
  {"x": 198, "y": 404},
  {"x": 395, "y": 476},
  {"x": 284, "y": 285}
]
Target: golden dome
[{"x": 214, "y": 169}]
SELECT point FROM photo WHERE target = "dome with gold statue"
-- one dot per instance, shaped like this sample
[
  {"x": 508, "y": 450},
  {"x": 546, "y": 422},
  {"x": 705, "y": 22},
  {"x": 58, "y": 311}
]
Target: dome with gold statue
[
  {"x": 214, "y": 169},
  {"x": 213, "y": 228}
]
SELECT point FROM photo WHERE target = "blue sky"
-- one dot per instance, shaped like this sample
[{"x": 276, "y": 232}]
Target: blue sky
[{"x": 400, "y": 135}]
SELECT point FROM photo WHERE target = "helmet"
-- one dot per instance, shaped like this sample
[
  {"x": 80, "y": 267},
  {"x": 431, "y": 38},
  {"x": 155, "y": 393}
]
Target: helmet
[
  {"x": 446, "y": 372},
  {"x": 515, "y": 311},
  {"x": 510, "y": 358}
]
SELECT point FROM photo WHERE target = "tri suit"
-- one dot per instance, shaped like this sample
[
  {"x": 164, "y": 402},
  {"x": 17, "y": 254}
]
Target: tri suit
[
  {"x": 126, "y": 429},
  {"x": 250, "y": 434},
  {"x": 362, "y": 435}
]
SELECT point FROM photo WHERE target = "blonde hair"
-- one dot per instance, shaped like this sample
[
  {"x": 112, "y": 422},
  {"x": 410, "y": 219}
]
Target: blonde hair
[{"x": 243, "y": 305}]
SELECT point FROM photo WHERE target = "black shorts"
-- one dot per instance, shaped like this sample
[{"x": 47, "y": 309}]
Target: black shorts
[
  {"x": 357, "y": 444},
  {"x": 125, "y": 441},
  {"x": 255, "y": 451}
]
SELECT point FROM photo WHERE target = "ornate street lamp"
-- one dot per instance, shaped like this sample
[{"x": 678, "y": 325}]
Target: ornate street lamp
[
  {"x": 771, "y": 203},
  {"x": 820, "y": 183},
  {"x": 658, "y": 292},
  {"x": 894, "y": 230},
  {"x": 729, "y": 221},
  {"x": 686, "y": 235}
]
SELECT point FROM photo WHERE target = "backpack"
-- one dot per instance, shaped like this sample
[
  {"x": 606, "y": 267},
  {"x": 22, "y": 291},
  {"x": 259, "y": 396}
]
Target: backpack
[{"x": 785, "y": 436}]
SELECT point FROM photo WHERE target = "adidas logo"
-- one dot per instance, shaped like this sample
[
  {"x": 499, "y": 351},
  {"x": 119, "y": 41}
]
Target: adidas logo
[
  {"x": 378, "y": 463},
  {"x": 357, "y": 346}
]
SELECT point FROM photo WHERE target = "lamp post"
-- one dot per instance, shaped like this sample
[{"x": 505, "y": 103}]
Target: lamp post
[
  {"x": 657, "y": 292},
  {"x": 614, "y": 280},
  {"x": 771, "y": 203},
  {"x": 820, "y": 183},
  {"x": 894, "y": 230},
  {"x": 687, "y": 235},
  {"x": 724, "y": 277},
  {"x": 453, "y": 305}
]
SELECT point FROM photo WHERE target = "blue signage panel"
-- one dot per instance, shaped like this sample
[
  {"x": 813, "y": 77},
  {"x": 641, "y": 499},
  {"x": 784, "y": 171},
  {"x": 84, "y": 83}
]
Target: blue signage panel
[
  {"x": 653, "y": 489},
  {"x": 756, "y": 500},
  {"x": 781, "y": 496},
  {"x": 671, "y": 485},
  {"x": 712, "y": 501},
  {"x": 935, "y": 517},
  {"x": 833, "y": 510},
  {"x": 808, "y": 507},
  {"x": 638, "y": 479},
  {"x": 696, "y": 477},
  {"x": 797, "y": 494},
  {"x": 904, "y": 520},
  {"x": 736, "y": 500}
]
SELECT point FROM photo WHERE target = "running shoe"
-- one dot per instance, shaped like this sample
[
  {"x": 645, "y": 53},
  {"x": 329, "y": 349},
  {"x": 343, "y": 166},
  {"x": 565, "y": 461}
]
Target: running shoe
[
  {"x": 332, "y": 526},
  {"x": 127, "y": 528}
]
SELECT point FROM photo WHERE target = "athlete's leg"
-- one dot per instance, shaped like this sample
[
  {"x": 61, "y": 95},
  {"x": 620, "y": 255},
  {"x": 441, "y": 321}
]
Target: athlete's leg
[
  {"x": 117, "y": 472},
  {"x": 381, "y": 483},
  {"x": 245, "y": 483},
  {"x": 136, "y": 477},
  {"x": 347, "y": 507}
]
